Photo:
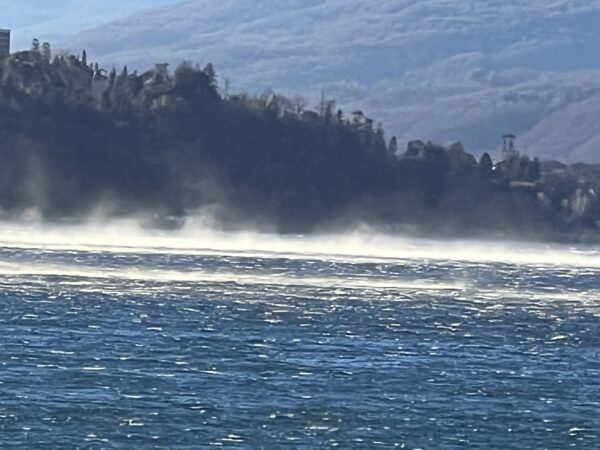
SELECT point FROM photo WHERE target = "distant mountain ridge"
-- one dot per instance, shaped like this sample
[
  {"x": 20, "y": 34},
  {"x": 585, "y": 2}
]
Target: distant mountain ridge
[
  {"x": 464, "y": 70},
  {"x": 56, "y": 19}
]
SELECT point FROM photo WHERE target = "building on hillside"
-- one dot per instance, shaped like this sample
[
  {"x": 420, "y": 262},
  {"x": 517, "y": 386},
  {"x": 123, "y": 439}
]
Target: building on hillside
[
  {"x": 161, "y": 72},
  {"x": 509, "y": 150},
  {"x": 4, "y": 43}
]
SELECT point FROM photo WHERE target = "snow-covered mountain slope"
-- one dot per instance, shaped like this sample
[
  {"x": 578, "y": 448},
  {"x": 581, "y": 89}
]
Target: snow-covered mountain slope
[{"x": 433, "y": 69}]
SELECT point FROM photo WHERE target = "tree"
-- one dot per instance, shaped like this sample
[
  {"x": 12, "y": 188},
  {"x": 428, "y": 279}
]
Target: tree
[
  {"x": 393, "y": 146},
  {"x": 322, "y": 106},
  {"x": 84, "y": 58},
  {"x": 380, "y": 137},
  {"x": 329, "y": 109},
  {"x": 524, "y": 167},
  {"x": 299, "y": 104},
  {"x": 226, "y": 88},
  {"x": 46, "y": 51},
  {"x": 535, "y": 170},
  {"x": 209, "y": 70},
  {"x": 486, "y": 166}
]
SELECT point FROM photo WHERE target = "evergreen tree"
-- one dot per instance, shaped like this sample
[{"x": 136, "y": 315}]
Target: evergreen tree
[
  {"x": 486, "y": 166},
  {"x": 535, "y": 171},
  {"x": 393, "y": 146},
  {"x": 209, "y": 70},
  {"x": 46, "y": 51}
]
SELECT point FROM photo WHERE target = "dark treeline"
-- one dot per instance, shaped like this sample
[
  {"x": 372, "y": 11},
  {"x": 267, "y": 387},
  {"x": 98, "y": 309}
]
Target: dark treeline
[{"x": 73, "y": 136}]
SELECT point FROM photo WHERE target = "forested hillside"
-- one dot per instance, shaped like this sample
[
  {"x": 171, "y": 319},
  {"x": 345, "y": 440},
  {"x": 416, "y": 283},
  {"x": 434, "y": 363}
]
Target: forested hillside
[{"x": 74, "y": 138}]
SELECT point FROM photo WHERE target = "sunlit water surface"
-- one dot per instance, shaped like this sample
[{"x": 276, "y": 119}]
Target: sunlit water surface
[{"x": 182, "y": 343}]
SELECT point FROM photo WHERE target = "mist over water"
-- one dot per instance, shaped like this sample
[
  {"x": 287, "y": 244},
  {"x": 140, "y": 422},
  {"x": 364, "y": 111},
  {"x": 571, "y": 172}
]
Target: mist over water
[
  {"x": 360, "y": 244},
  {"x": 116, "y": 336}
]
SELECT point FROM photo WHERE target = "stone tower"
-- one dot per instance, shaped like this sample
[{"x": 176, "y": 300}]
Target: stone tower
[
  {"x": 509, "y": 151},
  {"x": 4, "y": 43}
]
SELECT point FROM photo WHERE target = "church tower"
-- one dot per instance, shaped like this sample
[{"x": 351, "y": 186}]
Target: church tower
[{"x": 509, "y": 151}]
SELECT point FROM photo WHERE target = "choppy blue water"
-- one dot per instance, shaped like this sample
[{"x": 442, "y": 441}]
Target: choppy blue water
[{"x": 109, "y": 349}]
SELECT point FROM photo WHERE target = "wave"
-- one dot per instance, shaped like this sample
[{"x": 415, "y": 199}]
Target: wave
[{"x": 8, "y": 269}]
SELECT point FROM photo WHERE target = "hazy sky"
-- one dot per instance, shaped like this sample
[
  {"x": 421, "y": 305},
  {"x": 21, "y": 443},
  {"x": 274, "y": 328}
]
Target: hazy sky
[{"x": 52, "y": 19}]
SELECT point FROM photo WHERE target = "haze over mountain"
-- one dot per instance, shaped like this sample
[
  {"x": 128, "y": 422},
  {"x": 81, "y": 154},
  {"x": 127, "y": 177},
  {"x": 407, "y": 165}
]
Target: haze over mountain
[
  {"x": 434, "y": 69},
  {"x": 54, "y": 19}
]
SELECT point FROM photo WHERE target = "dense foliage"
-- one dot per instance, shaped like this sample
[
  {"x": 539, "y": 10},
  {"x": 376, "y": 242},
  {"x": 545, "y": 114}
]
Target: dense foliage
[{"x": 74, "y": 137}]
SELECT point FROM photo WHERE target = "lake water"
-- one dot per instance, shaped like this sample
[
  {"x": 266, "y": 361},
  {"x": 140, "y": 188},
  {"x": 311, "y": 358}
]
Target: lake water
[{"x": 109, "y": 340}]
